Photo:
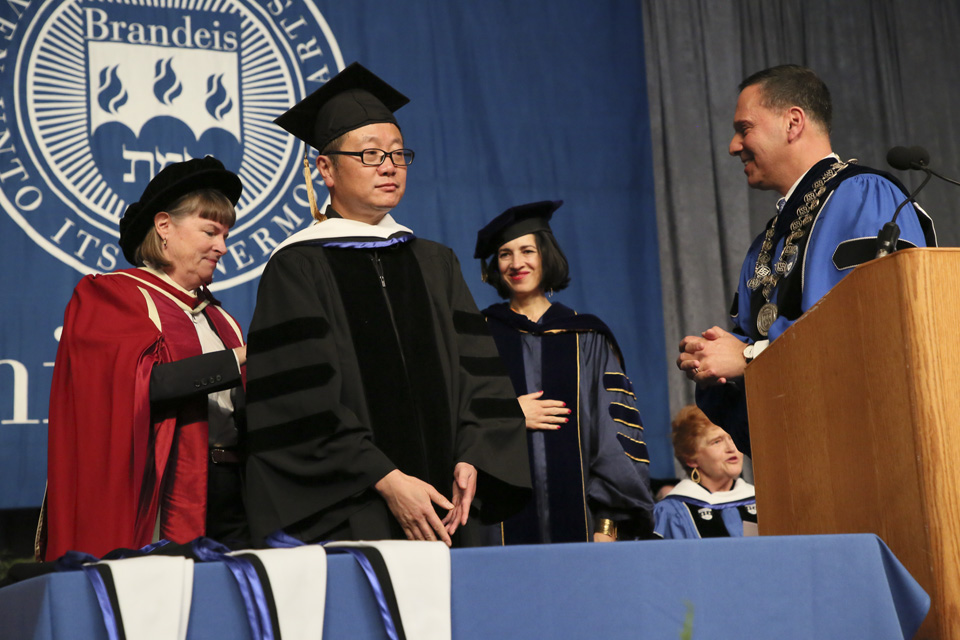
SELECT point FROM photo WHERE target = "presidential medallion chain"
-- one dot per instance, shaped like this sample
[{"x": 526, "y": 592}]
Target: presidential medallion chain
[{"x": 767, "y": 277}]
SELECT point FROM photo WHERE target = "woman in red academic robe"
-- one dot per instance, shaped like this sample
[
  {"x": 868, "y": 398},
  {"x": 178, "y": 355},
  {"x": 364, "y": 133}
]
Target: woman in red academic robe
[{"x": 143, "y": 441}]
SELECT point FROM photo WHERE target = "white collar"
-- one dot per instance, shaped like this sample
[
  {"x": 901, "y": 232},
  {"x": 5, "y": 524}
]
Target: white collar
[
  {"x": 741, "y": 490},
  {"x": 344, "y": 229},
  {"x": 163, "y": 276},
  {"x": 829, "y": 155}
]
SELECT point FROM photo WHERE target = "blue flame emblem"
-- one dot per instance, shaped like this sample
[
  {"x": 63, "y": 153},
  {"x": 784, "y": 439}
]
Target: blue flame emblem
[
  {"x": 110, "y": 94},
  {"x": 218, "y": 102},
  {"x": 166, "y": 85},
  {"x": 107, "y": 93}
]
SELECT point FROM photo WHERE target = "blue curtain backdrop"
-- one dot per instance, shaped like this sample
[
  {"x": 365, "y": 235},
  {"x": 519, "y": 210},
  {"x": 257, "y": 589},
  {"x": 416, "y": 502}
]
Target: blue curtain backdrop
[{"x": 510, "y": 103}]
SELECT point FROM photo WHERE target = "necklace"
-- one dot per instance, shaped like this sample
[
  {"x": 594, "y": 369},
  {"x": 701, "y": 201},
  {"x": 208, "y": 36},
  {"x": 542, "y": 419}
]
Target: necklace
[{"x": 768, "y": 278}]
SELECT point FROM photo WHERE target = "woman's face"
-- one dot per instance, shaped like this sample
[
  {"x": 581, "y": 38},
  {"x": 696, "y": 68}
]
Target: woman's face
[
  {"x": 194, "y": 246},
  {"x": 520, "y": 265},
  {"x": 718, "y": 459}
]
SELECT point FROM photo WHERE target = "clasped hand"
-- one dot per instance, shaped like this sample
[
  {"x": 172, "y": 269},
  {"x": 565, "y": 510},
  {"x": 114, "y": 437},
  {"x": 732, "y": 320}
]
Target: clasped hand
[{"x": 713, "y": 357}]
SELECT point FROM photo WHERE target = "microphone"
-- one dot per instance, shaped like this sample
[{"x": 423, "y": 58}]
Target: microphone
[
  {"x": 903, "y": 158},
  {"x": 918, "y": 158}
]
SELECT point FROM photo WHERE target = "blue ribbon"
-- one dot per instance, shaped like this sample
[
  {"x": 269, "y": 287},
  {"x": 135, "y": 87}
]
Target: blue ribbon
[
  {"x": 204, "y": 550},
  {"x": 374, "y": 581},
  {"x": 251, "y": 589},
  {"x": 366, "y": 244},
  {"x": 74, "y": 561},
  {"x": 80, "y": 561},
  {"x": 147, "y": 549},
  {"x": 103, "y": 599},
  {"x": 282, "y": 540}
]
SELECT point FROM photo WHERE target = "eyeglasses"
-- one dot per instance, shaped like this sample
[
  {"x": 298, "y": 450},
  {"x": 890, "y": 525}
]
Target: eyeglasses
[{"x": 375, "y": 157}]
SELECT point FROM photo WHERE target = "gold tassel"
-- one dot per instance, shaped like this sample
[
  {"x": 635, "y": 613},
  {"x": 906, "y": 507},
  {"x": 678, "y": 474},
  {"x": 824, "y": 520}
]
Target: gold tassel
[{"x": 308, "y": 176}]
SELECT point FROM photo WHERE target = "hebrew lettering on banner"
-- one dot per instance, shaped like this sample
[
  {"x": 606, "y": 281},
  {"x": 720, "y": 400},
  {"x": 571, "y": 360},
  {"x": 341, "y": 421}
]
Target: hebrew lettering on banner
[{"x": 98, "y": 96}]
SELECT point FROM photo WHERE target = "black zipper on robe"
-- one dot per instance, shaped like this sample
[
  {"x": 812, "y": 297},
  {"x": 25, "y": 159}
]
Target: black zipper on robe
[
  {"x": 375, "y": 258},
  {"x": 399, "y": 364}
]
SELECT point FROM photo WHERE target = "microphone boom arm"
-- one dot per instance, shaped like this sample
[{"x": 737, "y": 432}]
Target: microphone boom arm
[{"x": 890, "y": 233}]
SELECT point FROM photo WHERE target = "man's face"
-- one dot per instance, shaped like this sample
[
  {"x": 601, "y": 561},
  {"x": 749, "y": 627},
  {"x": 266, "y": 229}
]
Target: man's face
[
  {"x": 363, "y": 192},
  {"x": 760, "y": 141}
]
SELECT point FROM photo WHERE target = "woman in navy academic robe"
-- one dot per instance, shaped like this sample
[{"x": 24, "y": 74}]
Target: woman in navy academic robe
[{"x": 588, "y": 460}]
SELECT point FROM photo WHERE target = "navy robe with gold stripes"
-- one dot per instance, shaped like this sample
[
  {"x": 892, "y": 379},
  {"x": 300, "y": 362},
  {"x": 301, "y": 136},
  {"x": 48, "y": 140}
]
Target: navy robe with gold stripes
[
  {"x": 366, "y": 354},
  {"x": 594, "y": 466}
]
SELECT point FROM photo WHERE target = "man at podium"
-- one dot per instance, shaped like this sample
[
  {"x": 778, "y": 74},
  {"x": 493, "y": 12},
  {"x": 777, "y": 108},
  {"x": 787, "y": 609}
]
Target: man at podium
[{"x": 826, "y": 223}]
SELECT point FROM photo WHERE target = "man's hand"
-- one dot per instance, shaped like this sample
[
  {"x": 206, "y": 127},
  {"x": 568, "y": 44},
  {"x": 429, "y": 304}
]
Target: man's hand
[
  {"x": 411, "y": 502},
  {"x": 464, "y": 488},
  {"x": 712, "y": 358},
  {"x": 543, "y": 414}
]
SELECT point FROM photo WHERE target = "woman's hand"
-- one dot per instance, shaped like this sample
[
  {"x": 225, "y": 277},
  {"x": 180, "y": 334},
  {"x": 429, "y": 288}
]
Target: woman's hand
[
  {"x": 602, "y": 537},
  {"x": 543, "y": 414}
]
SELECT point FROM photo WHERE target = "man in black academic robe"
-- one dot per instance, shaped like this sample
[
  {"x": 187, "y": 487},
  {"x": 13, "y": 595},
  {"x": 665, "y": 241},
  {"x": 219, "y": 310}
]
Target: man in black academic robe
[{"x": 375, "y": 393}]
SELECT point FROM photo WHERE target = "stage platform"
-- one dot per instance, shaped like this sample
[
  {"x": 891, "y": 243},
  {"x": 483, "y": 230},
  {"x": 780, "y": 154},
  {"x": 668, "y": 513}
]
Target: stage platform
[{"x": 802, "y": 587}]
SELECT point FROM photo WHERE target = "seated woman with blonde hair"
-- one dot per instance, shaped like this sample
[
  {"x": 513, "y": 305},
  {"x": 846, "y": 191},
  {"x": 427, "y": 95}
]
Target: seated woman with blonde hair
[{"x": 714, "y": 502}]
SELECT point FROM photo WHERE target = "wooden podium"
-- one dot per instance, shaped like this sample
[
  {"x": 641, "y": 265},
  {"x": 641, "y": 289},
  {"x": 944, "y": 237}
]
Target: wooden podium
[{"x": 855, "y": 420}]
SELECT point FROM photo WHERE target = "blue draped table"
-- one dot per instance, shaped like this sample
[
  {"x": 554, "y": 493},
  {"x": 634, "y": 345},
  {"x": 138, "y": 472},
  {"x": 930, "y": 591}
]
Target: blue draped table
[{"x": 832, "y": 586}]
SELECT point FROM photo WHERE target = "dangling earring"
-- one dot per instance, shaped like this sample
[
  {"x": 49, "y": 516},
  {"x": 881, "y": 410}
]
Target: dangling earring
[
  {"x": 164, "y": 243},
  {"x": 695, "y": 475}
]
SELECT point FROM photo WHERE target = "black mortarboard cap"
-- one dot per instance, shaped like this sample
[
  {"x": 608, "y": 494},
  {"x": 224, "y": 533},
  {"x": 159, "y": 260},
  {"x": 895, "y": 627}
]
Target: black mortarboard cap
[
  {"x": 353, "y": 98},
  {"x": 173, "y": 181},
  {"x": 513, "y": 223}
]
